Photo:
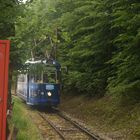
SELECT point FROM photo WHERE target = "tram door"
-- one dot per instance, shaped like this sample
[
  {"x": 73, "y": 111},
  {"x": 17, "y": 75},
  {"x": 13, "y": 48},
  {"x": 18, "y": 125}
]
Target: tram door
[{"x": 4, "y": 60}]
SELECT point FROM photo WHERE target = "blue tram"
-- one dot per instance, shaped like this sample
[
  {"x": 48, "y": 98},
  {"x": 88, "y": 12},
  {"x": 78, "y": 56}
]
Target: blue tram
[{"x": 40, "y": 85}]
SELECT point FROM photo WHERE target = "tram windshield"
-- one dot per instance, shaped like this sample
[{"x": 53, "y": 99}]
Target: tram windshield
[
  {"x": 43, "y": 74},
  {"x": 43, "y": 78}
]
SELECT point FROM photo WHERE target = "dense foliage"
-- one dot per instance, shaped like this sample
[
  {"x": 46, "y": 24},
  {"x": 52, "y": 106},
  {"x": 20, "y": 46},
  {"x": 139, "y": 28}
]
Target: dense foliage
[
  {"x": 97, "y": 40},
  {"x": 9, "y": 11},
  {"x": 7, "y": 18}
]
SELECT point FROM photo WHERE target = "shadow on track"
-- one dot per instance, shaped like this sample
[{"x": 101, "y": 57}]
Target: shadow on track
[{"x": 45, "y": 109}]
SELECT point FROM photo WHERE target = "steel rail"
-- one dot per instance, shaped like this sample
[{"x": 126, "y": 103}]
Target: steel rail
[
  {"x": 93, "y": 136},
  {"x": 53, "y": 126},
  {"x": 81, "y": 128}
]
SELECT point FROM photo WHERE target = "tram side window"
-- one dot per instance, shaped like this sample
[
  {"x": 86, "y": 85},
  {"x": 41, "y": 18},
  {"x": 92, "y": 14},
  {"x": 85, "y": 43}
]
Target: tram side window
[
  {"x": 31, "y": 78},
  {"x": 21, "y": 78}
]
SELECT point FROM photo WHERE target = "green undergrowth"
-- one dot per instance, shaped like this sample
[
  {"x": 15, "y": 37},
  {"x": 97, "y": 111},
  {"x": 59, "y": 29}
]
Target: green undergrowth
[
  {"x": 106, "y": 115},
  {"x": 22, "y": 121}
]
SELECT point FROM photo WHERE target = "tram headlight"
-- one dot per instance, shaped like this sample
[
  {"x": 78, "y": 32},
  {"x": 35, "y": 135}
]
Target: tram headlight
[{"x": 49, "y": 94}]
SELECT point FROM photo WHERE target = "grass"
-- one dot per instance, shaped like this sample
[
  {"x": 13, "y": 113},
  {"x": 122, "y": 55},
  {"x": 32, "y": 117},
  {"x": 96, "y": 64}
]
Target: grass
[
  {"x": 106, "y": 115},
  {"x": 22, "y": 121}
]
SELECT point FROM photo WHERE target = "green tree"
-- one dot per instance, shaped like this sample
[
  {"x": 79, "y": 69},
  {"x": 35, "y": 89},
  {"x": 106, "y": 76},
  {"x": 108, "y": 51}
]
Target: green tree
[
  {"x": 97, "y": 40},
  {"x": 125, "y": 77}
]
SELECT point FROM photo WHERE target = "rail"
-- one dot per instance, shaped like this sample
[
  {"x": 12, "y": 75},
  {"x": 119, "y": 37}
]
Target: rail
[{"x": 72, "y": 126}]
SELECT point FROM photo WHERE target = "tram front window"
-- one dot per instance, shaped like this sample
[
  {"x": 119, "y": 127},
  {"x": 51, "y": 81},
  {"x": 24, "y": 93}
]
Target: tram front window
[
  {"x": 35, "y": 79},
  {"x": 49, "y": 78},
  {"x": 43, "y": 78}
]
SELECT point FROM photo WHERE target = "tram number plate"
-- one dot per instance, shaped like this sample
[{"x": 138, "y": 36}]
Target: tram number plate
[{"x": 49, "y": 87}]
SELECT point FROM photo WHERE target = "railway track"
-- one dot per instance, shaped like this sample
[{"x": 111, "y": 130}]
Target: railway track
[{"x": 66, "y": 128}]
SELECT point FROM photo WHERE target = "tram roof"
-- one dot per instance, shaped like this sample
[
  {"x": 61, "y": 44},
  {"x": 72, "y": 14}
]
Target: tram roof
[{"x": 45, "y": 62}]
